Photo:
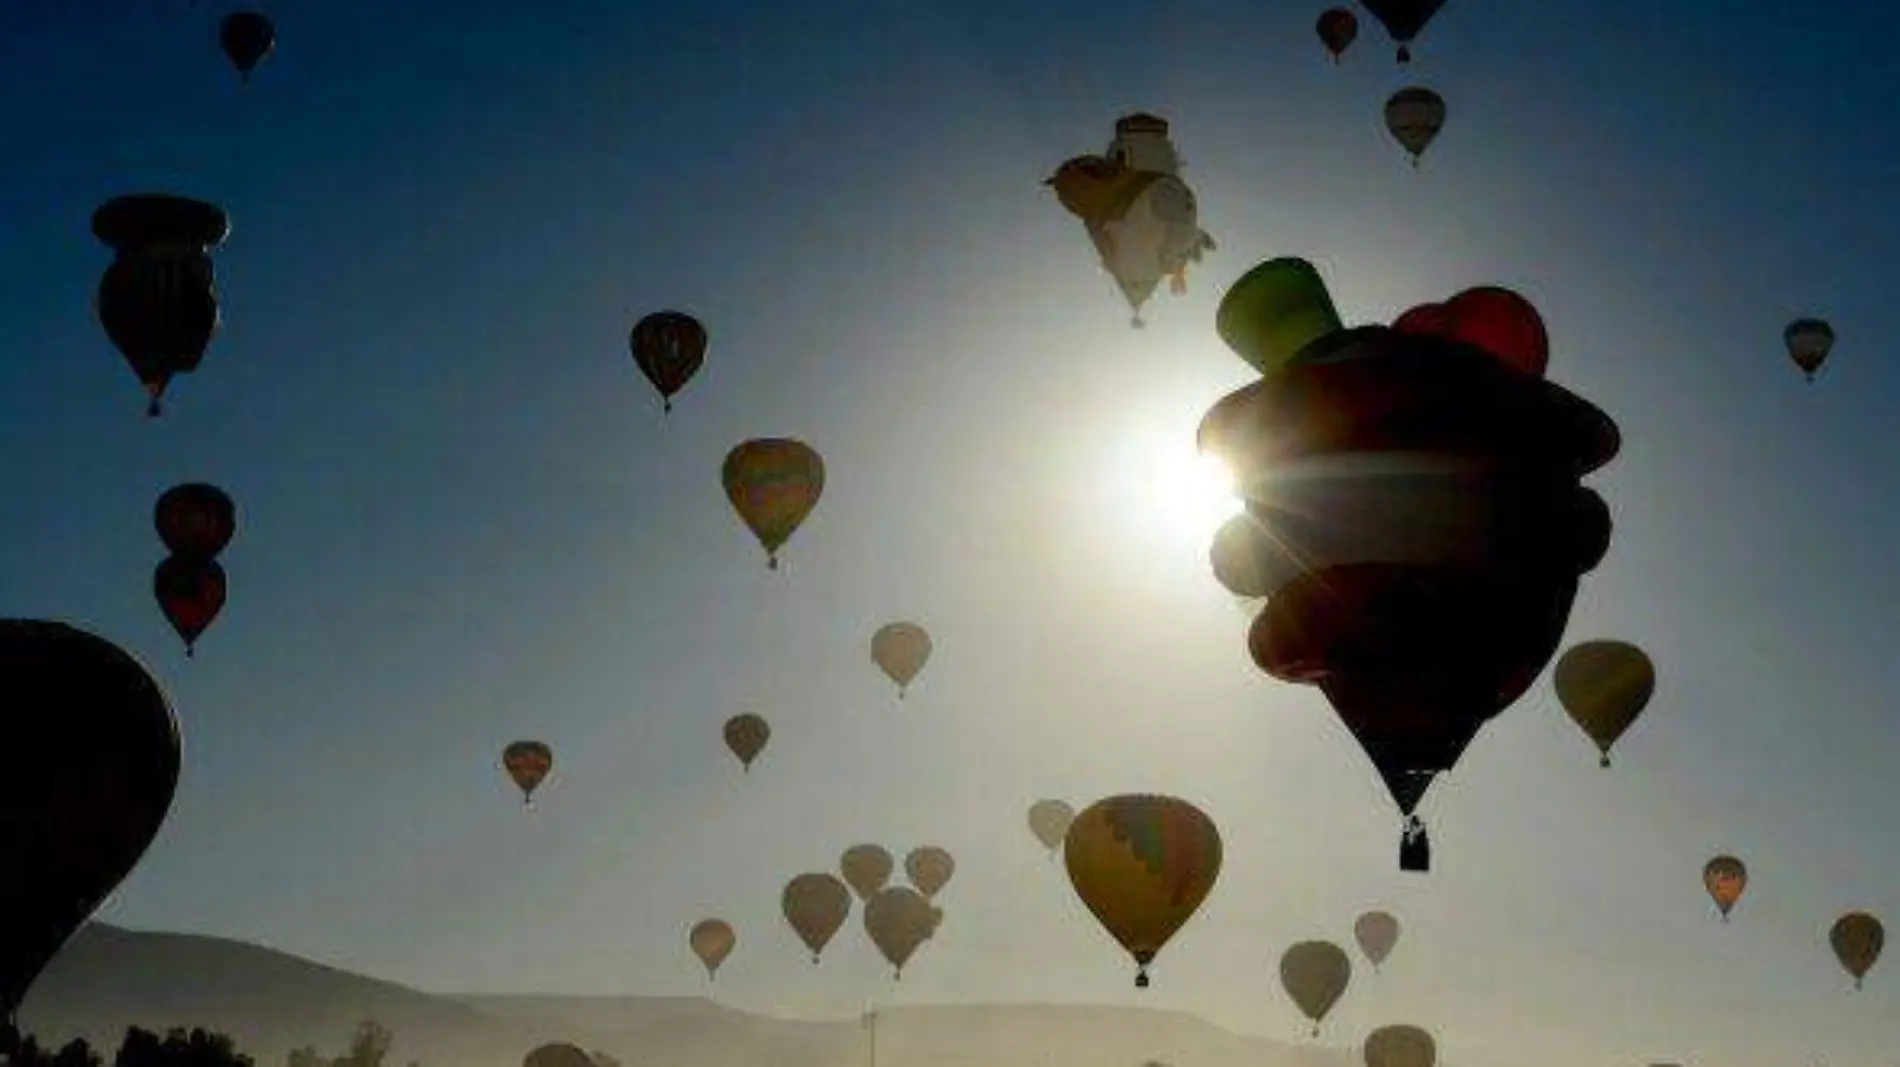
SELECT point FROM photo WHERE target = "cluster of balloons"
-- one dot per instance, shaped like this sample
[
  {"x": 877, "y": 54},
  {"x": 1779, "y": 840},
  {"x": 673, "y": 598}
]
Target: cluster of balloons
[
  {"x": 195, "y": 521},
  {"x": 1414, "y": 114},
  {"x": 1856, "y": 937}
]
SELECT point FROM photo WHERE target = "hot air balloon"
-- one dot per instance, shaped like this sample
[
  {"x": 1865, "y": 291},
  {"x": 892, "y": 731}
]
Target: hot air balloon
[
  {"x": 929, "y": 868},
  {"x": 246, "y": 37},
  {"x": 1403, "y": 19},
  {"x": 1377, "y": 933},
  {"x": 1604, "y": 685},
  {"x": 669, "y": 347},
  {"x": 1414, "y": 115},
  {"x": 1502, "y": 323},
  {"x": 1315, "y": 974},
  {"x": 1275, "y": 311},
  {"x": 191, "y": 594},
  {"x": 1725, "y": 877},
  {"x": 158, "y": 301},
  {"x": 528, "y": 763},
  {"x": 900, "y": 650},
  {"x": 559, "y": 1054},
  {"x": 773, "y": 483},
  {"x": 95, "y": 762},
  {"x": 1857, "y": 938},
  {"x": 1809, "y": 341},
  {"x": 866, "y": 868},
  {"x": 712, "y": 940},
  {"x": 1142, "y": 864},
  {"x": 195, "y": 520},
  {"x": 1049, "y": 820},
  {"x": 1337, "y": 27},
  {"x": 816, "y": 905},
  {"x": 1400, "y": 1046},
  {"x": 746, "y": 736},
  {"x": 899, "y": 919}
]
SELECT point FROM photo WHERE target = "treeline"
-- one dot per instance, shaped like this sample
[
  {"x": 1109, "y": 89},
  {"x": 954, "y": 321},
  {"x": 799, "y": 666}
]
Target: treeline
[{"x": 181, "y": 1047}]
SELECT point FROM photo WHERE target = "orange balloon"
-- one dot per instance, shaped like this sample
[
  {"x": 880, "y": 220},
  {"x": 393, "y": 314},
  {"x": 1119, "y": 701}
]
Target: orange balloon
[{"x": 1503, "y": 324}]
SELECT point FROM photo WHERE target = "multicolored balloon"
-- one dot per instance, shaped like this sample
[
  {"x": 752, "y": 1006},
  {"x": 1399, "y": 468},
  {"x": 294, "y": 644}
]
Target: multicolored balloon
[
  {"x": 773, "y": 483},
  {"x": 1142, "y": 864},
  {"x": 528, "y": 764}
]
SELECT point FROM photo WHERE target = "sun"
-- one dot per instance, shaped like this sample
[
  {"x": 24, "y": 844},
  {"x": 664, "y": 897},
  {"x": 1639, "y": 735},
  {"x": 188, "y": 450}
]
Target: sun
[{"x": 1189, "y": 495}]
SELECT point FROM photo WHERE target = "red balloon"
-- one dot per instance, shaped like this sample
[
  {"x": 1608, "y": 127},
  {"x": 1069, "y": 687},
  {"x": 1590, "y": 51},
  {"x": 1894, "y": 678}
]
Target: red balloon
[
  {"x": 1503, "y": 324},
  {"x": 1425, "y": 318}
]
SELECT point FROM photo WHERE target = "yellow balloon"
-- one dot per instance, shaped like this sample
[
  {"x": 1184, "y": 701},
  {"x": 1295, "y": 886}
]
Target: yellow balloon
[
  {"x": 712, "y": 940},
  {"x": 773, "y": 483},
  {"x": 866, "y": 868},
  {"x": 1142, "y": 864}
]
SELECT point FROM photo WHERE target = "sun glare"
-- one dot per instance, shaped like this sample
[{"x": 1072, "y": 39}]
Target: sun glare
[{"x": 1191, "y": 495}]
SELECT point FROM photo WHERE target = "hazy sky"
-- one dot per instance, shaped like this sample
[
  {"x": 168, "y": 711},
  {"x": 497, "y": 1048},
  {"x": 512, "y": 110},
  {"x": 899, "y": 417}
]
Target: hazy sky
[{"x": 464, "y": 521}]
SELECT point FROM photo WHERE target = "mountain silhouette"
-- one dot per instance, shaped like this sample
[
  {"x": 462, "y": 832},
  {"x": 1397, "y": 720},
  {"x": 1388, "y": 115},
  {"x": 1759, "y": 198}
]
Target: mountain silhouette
[{"x": 108, "y": 978}]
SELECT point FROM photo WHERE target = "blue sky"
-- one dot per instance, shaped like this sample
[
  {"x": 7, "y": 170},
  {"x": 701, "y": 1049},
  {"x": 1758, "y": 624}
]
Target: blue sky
[{"x": 464, "y": 521}]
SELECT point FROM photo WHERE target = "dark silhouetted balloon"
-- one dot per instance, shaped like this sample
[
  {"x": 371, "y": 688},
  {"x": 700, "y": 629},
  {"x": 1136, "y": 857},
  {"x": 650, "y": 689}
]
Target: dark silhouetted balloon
[
  {"x": 1403, "y": 19},
  {"x": 158, "y": 300},
  {"x": 195, "y": 520},
  {"x": 1425, "y": 319},
  {"x": 246, "y": 37},
  {"x": 669, "y": 347},
  {"x": 92, "y": 763},
  {"x": 1503, "y": 324},
  {"x": 190, "y": 593},
  {"x": 1337, "y": 27}
]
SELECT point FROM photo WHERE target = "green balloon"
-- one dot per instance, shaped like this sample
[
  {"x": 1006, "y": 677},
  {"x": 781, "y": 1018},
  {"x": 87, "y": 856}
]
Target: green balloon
[{"x": 1274, "y": 311}]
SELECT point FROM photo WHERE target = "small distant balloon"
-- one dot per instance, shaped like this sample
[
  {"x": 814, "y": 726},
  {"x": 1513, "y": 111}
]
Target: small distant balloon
[
  {"x": 669, "y": 347},
  {"x": 816, "y": 905},
  {"x": 712, "y": 940},
  {"x": 1725, "y": 877},
  {"x": 1049, "y": 820},
  {"x": 1414, "y": 115},
  {"x": 866, "y": 869},
  {"x": 773, "y": 483},
  {"x": 747, "y": 735},
  {"x": 1857, "y": 939},
  {"x": 191, "y": 593},
  {"x": 246, "y": 37},
  {"x": 900, "y": 650},
  {"x": 1403, "y": 20},
  {"x": 1377, "y": 933},
  {"x": 929, "y": 868},
  {"x": 1337, "y": 27},
  {"x": 528, "y": 763},
  {"x": 1809, "y": 341},
  {"x": 195, "y": 521},
  {"x": 1604, "y": 686},
  {"x": 1315, "y": 974},
  {"x": 1400, "y": 1046}
]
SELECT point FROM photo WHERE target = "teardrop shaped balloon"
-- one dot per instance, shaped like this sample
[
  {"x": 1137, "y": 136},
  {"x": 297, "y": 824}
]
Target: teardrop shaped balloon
[
  {"x": 94, "y": 763},
  {"x": 1725, "y": 877},
  {"x": 900, "y": 650},
  {"x": 1315, "y": 974},
  {"x": 1857, "y": 939},
  {"x": 1502, "y": 323},
  {"x": 1049, "y": 820},
  {"x": 191, "y": 593},
  {"x": 1414, "y": 115},
  {"x": 1403, "y": 20},
  {"x": 773, "y": 483},
  {"x": 1142, "y": 864},
  {"x": 929, "y": 868},
  {"x": 528, "y": 763},
  {"x": 816, "y": 904},
  {"x": 899, "y": 919},
  {"x": 712, "y": 940},
  {"x": 1809, "y": 341},
  {"x": 1400, "y": 1046},
  {"x": 246, "y": 38},
  {"x": 746, "y": 736},
  {"x": 669, "y": 347},
  {"x": 866, "y": 869},
  {"x": 195, "y": 520},
  {"x": 1604, "y": 686},
  {"x": 1377, "y": 933},
  {"x": 558, "y": 1054},
  {"x": 1337, "y": 28}
]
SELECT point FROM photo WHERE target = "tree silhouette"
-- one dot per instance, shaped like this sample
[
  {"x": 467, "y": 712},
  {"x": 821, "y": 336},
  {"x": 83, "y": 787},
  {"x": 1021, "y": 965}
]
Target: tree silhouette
[
  {"x": 368, "y": 1045},
  {"x": 180, "y": 1047},
  {"x": 24, "y": 1050}
]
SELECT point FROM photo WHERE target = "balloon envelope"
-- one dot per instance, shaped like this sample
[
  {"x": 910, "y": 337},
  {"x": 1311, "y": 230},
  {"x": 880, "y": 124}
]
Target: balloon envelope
[
  {"x": 900, "y": 650},
  {"x": 816, "y": 905},
  {"x": 1377, "y": 933},
  {"x": 1049, "y": 820},
  {"x": 1315, "y": 974},
  {"x": 1725, "y": 877},
  {"x": 773, "y": 483},
  {"x": 899, "y": 919},
  {"x": 191, "y": 593},
  {"x": 1414, "y": 116},
  {"x": 246, "y": 37},
  {"x": 1809, "y": 341},
  {"x": 1400, "y": 1046},
  {"x": 195, "y": 521},
  {"x": 1857, "y": 939},
  {"x": 866, "y": 868},
  {"x": 1502, "y": 323},
  {"x": 94, "y": 763},
  {"x": 1337, "y": 27},
  {"x": 669, "y": 347},
  {"x": 559, "y": 1054},
  {"x": 712, "y": 940},
  {"x": 528, "y": 763},
  {"x": 1142, "y": 864},
  {"x": 1403, "y": 19},
  {"x": 746, "y": 735},
  {"x": 1604, "y": 686},
  {"x": 929, "y": 869}
]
